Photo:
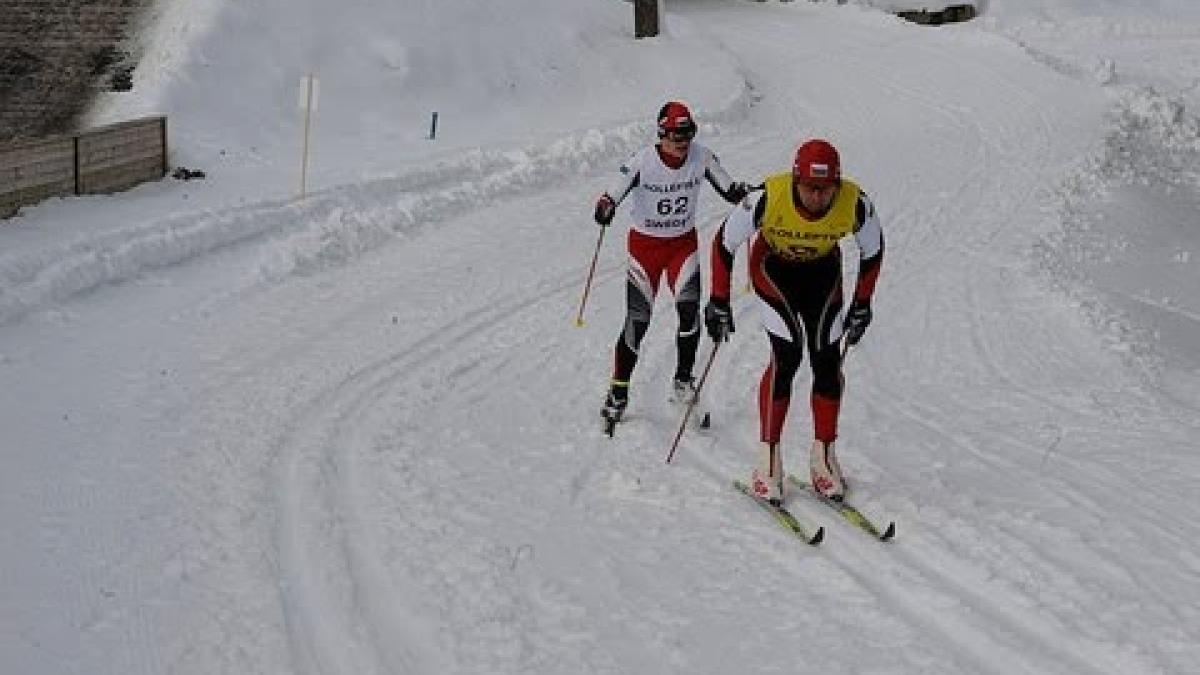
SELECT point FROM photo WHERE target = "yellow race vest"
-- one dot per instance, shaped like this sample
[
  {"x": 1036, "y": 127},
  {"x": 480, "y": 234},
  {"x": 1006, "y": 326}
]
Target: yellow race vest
[{"x": 797, "y": 239}]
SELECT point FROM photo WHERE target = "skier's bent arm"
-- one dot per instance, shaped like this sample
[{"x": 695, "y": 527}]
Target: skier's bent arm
[
  {"x": 868, "y": 234},
  {"x": 631, "y": 172},
  {"x": 719, "y": 179},
  {"x": 737, "y": 228}
]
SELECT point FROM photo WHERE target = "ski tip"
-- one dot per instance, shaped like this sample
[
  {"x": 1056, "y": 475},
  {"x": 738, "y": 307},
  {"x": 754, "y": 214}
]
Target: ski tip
[
  {"x": 706, "y": 421},
  {"x": 818, "y": 537},
  {"x": 889, "y": 532}
]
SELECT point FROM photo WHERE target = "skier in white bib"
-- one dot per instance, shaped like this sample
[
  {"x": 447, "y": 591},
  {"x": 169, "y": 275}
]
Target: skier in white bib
[{"x": 665, "y": 181}]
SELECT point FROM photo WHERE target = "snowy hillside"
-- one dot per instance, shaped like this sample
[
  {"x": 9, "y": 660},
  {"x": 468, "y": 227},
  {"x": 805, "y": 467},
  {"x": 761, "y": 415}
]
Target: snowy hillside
[{"x": 358, "y": 433}]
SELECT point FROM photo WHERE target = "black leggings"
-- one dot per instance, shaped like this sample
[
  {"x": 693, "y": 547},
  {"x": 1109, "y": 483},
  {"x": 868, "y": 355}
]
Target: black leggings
[
  {"x": 806, "y": 301},
  {"x": 637, "y": 320}
]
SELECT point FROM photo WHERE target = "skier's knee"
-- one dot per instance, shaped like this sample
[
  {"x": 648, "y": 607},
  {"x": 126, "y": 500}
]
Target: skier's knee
[{"x": 689, "y": 313}]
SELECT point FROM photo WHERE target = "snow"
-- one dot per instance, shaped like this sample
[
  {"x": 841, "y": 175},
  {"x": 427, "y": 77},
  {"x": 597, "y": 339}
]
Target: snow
[{"x": 358, "y": 432}]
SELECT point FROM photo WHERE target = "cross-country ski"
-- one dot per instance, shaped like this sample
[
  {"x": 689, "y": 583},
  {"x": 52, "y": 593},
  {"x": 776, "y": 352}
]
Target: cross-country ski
[
  {"x": 848, "y": 511},
  {"x": 783, "y": 517}
]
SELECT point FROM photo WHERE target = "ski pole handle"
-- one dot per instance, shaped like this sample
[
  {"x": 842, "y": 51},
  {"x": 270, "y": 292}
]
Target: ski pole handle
[
  {"x": 587, "y": 286},
  {"x": 687, "y": 414}
]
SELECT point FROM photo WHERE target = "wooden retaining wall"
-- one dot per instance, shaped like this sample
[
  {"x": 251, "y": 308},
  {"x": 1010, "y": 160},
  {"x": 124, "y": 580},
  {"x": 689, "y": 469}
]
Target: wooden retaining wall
[{"x": 96, "y": 161}]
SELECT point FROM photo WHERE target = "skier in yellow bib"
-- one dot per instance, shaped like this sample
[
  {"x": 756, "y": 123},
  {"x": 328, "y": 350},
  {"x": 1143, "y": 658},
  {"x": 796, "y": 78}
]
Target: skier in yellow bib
[{"x": 795, "y": 225}]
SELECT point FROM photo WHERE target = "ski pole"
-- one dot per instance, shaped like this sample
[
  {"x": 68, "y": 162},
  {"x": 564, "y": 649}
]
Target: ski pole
[
  {"x": 687, "y": 414},
  {"x": 587, "y": 286}
]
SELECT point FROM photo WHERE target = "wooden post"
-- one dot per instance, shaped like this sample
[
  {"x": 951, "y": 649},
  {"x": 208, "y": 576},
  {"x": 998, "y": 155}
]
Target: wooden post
[
  {"x": 78, "y": 184},
  {"x": 645, "y": 18},
  {"x": 308, "y": 105},
  {"x": 166, "y": 162}
]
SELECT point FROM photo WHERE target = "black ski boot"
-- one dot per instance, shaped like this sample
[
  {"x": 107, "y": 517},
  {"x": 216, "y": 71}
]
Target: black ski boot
[{"x": 614, "y": 407}]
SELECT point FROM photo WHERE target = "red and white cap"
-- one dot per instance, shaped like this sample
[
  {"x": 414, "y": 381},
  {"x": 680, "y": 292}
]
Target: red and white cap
[
  {"x": 675, "y": 116},
  {"x": 817, "y": 161}
]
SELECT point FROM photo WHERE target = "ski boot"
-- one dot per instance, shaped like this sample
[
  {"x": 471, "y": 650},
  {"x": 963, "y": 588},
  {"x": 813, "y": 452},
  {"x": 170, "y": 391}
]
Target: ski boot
[
  {"x": 766, "y": 481},
  {"x": 683, "y": 390},
  {"x": 614, "y": 406},
  {"x": 825, "y": 472}
]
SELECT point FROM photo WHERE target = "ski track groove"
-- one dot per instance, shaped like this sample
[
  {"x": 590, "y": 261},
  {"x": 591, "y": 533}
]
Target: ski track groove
[
  {"x": 317, "y": 431},
  {"x": 1026, "y": 628},
  {"x": 844, "y": 544},
  {"x": 1094, "y": 475},
  {"x": 974, "y": 642}
]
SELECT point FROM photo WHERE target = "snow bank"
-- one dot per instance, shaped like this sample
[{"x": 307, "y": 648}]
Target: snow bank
[
  {"x": 1068, "y": 11},
  {"x": 1128, "y": 238},
  {"x": 329, "y": 227}
]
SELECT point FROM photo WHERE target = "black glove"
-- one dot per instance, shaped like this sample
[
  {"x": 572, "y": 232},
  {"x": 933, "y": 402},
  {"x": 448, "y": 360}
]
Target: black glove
[
  {"x": 737, "y": 192},
  {"x": 858, "y": 317},
  {"x": 718, "y": 319},
  {"x": 606, "y": 208}
]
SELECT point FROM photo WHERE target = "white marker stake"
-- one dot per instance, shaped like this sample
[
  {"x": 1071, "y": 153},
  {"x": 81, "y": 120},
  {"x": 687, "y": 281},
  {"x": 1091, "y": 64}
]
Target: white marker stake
[{"x": 308, "y": 102}]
